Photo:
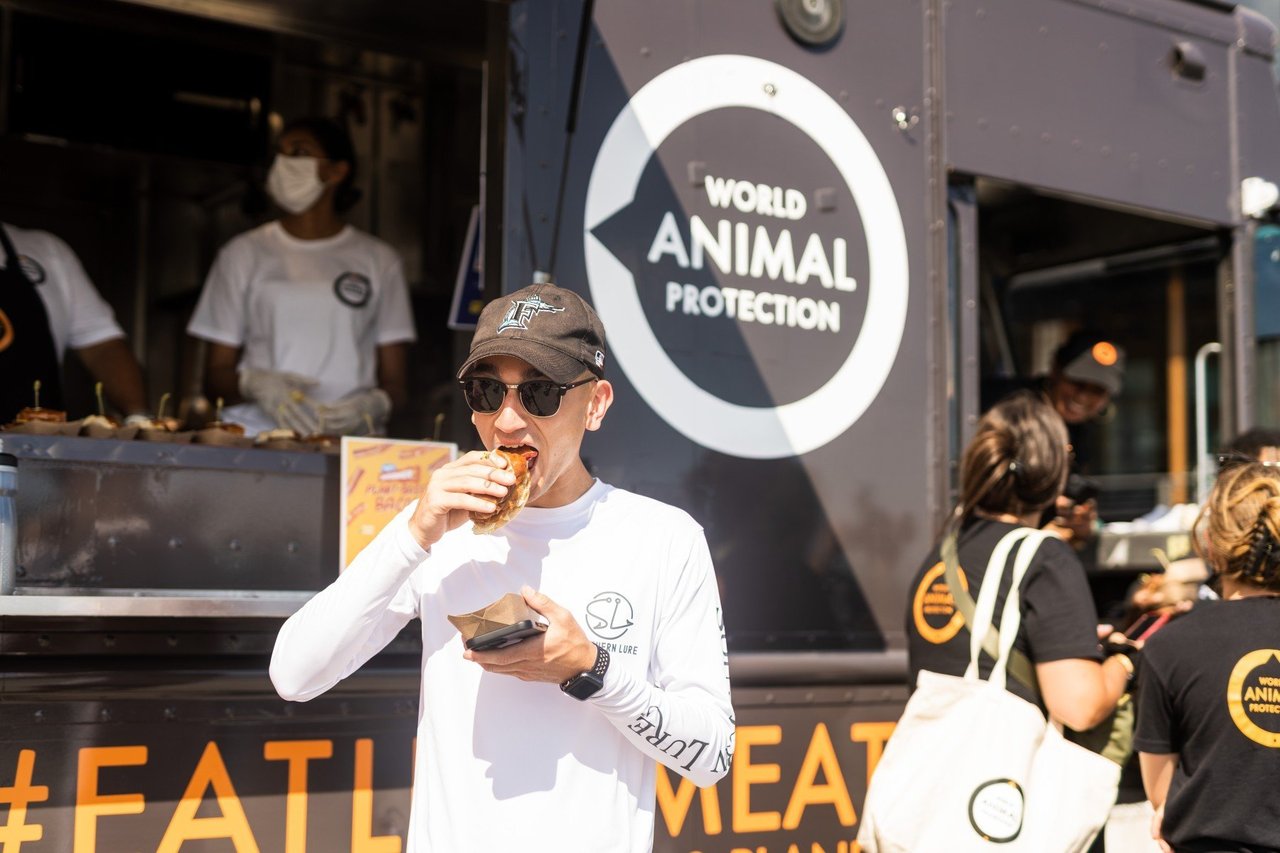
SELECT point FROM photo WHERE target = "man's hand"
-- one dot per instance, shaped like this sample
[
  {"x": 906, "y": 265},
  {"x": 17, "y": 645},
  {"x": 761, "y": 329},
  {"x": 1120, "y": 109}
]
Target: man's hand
[
  {"x": 474, "y": 482},
  {"x": 555, "y": 656}
]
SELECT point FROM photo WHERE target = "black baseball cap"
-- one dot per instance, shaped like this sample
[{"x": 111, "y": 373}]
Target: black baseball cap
[
  {"x": 1090, "y": 358},
  {"x": 550, "y": 327}
]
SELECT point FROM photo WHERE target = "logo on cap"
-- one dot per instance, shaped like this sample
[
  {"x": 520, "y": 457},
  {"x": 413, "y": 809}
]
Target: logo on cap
[
  {"x": 599, "y": 359},
  {"x": 524, "y": 310},
  {"x": 1105, "y": 353}
]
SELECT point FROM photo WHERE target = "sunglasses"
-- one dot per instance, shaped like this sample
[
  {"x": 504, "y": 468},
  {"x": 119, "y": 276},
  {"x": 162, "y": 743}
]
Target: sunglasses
[
  {"x": 1234, "y": 458},
  {"x": 540, "y": 397}
]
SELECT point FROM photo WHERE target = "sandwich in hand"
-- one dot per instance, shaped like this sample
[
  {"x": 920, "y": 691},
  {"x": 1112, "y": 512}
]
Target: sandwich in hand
[{"x": 518, "y": 459}]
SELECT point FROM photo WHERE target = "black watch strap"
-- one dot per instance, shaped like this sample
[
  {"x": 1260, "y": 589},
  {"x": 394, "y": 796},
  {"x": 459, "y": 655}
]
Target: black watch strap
[{"x": 587, "y": 684}]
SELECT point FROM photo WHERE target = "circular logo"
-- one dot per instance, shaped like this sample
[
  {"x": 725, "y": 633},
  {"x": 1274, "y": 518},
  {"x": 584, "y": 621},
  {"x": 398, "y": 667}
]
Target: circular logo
[
  {"x": 1253, "y": 697},
  {"x": 31, "y": 269},
  {"x": 353, "y": 289},
  {"x": 6, "y": 332},
  {"x": 1105, "y": 353},
  {"x": 663, "y": 105},
  {"x": 995, "y": 810},
  {"x": 934, "y": 608},
  {"x": 609, "y": 615}
]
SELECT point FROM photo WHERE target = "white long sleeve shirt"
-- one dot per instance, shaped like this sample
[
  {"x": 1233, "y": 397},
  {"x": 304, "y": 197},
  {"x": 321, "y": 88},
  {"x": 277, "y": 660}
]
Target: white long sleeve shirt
[{"x": 507, "y": 765}]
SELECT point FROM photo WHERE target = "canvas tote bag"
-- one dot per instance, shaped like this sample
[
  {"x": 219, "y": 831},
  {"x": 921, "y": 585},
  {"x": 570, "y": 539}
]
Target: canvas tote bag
[{"x": 972, "y": 767}]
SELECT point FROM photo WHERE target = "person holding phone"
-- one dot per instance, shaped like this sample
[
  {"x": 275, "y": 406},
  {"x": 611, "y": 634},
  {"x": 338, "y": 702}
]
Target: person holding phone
[
  {"x": 550, "y": 744},
  {"x": 1208, "y": 732}
]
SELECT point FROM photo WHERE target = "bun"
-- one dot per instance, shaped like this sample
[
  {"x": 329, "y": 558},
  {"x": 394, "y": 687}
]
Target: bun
[
  {"x": 516, "y": 497},
  {"x": 39, "y": 413}
]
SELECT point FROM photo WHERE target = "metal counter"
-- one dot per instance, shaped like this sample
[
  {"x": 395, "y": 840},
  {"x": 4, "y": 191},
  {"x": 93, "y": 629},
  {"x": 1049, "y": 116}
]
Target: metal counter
[{"x": 134, "y": 528}]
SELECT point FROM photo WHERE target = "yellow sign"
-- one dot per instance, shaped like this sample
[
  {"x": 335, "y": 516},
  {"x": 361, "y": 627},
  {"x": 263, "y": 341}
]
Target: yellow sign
[
  {"x": 380, "y": 477},
  {"x": 1253, "y": 700},
  {"x": 934, "y": 607}
]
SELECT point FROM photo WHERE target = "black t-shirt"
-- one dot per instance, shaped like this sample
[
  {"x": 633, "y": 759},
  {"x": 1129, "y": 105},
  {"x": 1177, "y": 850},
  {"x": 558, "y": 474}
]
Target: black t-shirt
[
  {"x": 1225, "y": 793},
  {"x": 1058, "y": 618}
]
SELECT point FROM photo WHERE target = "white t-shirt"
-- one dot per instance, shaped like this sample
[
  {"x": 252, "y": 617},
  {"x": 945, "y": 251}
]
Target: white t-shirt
[
  {"x": 503, "y": 764},
  {"x": 317, "y": 308},
  {"x": 78, "y": 316}
]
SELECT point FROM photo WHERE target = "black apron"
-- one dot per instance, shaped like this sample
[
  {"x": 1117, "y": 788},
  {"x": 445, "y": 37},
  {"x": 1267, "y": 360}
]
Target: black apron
[{"x": 27, "y": 351}]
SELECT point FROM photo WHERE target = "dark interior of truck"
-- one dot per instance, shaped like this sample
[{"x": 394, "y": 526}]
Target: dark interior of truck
[{"x": 141, "y": 135}]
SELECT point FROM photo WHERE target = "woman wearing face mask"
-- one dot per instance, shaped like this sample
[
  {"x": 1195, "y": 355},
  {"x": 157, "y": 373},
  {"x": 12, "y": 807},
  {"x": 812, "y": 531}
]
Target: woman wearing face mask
[{"x": 308, "y": 319}]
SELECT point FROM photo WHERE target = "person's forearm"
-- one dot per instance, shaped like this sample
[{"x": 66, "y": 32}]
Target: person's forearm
[
  {"x": 344, "y": 625},
  {"x": 691, "y": 731},
  {"x": 223, "y": 382},
  {"x": 112, "y": 363}
]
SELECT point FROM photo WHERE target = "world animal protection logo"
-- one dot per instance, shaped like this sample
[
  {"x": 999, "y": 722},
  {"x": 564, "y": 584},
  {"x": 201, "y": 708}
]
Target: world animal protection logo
[
  {"x": 933, "y": 607},
  {"x": 717, "y": 267},
  {"x": 1253, "y": 696}
]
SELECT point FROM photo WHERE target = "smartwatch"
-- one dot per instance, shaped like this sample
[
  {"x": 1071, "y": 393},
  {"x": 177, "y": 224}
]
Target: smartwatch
[{"x": 587, "y": 684}]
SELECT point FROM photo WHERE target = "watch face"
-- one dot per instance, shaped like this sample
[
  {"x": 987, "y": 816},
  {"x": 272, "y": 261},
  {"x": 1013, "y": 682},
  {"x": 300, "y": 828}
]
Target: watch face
[{"x": 583, "y": 686}]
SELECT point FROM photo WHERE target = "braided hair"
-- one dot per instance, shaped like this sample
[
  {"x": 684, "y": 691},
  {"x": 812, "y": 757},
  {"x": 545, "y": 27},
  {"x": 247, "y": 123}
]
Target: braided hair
[{"x": 1241, "y": 535}]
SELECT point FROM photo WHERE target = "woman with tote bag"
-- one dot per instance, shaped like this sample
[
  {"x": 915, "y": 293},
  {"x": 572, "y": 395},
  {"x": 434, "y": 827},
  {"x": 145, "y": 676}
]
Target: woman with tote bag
[{"x": 1003, "y": 647}]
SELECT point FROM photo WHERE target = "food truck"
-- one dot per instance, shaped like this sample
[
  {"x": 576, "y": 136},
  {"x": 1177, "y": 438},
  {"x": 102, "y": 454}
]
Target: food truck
[{"x": 814, "y": 230}]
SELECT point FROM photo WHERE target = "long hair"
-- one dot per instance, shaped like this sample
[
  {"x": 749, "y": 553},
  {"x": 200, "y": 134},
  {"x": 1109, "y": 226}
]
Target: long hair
[
  {"x": 1239, "y": 529},
  {"x": 1018, "y": 460}
]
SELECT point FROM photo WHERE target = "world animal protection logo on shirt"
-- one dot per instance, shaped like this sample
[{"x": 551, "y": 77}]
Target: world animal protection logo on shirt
[
  {"x": 933, "y": 608},
  {"x": 1253, "y": 696}
]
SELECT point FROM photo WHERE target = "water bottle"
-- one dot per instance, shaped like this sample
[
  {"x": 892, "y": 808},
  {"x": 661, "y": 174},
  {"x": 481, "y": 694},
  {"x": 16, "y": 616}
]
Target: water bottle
[{"x": 8, "y": 522}]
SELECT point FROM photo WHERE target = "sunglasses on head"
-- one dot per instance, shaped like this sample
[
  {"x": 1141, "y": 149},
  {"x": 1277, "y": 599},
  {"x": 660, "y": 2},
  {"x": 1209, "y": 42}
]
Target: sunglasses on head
[
  {"x": 1233, "y": 458},
  {"x": 540, "y": 397}
]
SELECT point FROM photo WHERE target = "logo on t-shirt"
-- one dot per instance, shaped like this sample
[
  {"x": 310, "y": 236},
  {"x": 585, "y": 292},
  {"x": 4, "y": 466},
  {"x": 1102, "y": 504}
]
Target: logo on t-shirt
[
  {"x": 609, "y": 617},
  {"x": 353, "y": 289},
  {"x": 6, "y": 332},
  {"x": 1253, "y": 696},
  {"x": 31, "y": 269},
  {"x": 934, "y": 607}
]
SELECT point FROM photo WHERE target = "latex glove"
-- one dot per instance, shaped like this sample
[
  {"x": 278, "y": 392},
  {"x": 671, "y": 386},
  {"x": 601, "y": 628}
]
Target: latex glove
[
  {"x": 282, "y": 396},
  {"x": 361, "y": 413}
]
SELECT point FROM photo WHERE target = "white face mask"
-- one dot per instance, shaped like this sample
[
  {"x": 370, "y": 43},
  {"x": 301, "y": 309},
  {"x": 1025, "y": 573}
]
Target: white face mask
[{"x": 294, "y": 182}]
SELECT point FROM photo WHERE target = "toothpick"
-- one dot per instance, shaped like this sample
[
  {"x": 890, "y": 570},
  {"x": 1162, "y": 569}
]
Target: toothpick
[
  {"x": 368, "y": 422},
  {"x": 435, "y": 436},
  {"x": 1161, "y": 558},
  {"x": 217, "y": 410},
  {"x": 36, "y": 384},
  {"x": 164, "y": 401},
  {"x": 97, "y": 392}
]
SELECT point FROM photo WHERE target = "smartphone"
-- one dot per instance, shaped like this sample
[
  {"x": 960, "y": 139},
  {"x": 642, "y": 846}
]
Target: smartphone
[
  {"x": 1146, "y": 625},
  {"x": 507, "y": 635}
]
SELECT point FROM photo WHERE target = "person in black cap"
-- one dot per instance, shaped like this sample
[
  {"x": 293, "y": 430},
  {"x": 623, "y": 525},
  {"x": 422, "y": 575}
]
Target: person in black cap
[
  {"x": 1087, "y": 372},
  {"x": 549, "y": 744}
]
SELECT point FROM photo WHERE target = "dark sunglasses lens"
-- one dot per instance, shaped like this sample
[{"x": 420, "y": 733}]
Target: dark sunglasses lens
[
  {"x": 484, "y": 395},
  {"x": 540, "y": 397}
]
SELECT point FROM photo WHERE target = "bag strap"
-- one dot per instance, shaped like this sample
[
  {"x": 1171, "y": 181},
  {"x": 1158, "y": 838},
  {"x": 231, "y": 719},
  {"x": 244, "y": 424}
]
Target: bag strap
[
  {"x": 1011, "y": 617},
  {"x": 981, "y": 623},
  {"x": 1017, "y": 663}
]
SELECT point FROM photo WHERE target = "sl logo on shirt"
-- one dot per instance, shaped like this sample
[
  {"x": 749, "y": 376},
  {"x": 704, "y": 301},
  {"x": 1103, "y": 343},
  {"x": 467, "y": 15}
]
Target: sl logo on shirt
[
  {"x": 609, "y": 615},
  {"x": 353, "y": 289}
]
